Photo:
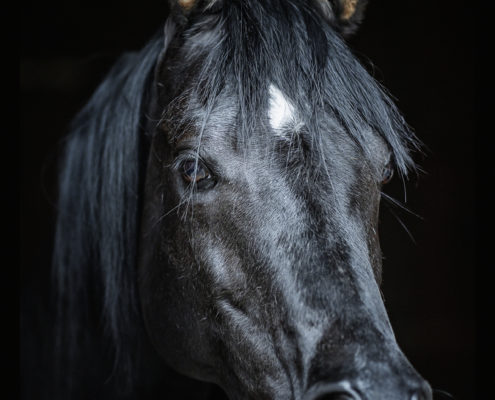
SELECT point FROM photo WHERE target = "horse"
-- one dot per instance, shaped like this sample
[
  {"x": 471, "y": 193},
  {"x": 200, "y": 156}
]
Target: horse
[{"x": 218, "y": 214}]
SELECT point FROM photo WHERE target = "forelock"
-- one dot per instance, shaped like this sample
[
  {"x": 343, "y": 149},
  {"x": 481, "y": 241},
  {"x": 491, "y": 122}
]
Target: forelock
[{"x": 254, "y": 47}]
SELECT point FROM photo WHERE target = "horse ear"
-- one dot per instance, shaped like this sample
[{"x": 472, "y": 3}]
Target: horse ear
[
  {"x": 343, "y": 15},
  {"x": 180, "y": 10}
]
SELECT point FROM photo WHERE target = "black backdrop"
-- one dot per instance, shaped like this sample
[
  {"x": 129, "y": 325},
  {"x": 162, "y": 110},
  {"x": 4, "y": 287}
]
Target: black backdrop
[{"x": 419, "y": 51}]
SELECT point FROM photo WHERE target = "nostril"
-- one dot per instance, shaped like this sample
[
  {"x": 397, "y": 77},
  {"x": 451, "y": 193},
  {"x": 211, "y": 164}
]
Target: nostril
[
  {"x": 335, "y": 396},
  {"x": 423, "y": 393},
  {"x": 332, "y": 391}
]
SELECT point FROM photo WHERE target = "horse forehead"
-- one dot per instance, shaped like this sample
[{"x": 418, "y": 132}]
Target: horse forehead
[{"x": 281, "y": 111}]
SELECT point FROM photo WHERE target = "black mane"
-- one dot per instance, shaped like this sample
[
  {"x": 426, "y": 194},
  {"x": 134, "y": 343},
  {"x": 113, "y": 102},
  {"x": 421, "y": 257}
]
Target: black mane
[{"x": 96, "y": 236}]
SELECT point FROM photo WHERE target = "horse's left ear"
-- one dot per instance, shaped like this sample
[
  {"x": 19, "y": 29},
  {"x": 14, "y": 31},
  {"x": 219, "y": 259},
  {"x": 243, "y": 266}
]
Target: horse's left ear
[
  {"x": 344, "y": 15},
  {"x": 180, "y": 10}
]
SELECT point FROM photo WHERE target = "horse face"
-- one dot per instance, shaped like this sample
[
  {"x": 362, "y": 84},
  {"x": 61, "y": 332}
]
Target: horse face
[
  {"x": 260, "y": 262},
  {"x": 259, "y": 257}
]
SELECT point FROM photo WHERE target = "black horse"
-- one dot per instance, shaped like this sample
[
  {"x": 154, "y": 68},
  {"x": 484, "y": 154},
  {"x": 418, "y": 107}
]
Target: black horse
[{"x": 218, "y": 212}]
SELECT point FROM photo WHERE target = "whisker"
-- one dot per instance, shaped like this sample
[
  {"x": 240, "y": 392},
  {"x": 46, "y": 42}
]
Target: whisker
[
  {"x": 182, "y": 201},
  {"x": 443, "y": 393},
  {"x": 400, "y": 205},
  {"x": 403, "y": 225},
  {"x": 404, "y": 188}
]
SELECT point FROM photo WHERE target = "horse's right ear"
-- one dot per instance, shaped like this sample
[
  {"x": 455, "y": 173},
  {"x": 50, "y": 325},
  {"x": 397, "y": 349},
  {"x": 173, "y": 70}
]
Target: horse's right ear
[
  {"x": 180, "y": 13},
  {"x": 180, "y": 10},
  {"x": 169, "y": 31}
]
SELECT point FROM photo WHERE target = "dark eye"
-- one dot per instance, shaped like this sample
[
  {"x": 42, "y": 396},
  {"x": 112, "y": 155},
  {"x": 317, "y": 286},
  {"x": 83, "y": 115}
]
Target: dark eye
[
  {"x": 388, "y": 173},
  {"x": 195, "y": 172}
]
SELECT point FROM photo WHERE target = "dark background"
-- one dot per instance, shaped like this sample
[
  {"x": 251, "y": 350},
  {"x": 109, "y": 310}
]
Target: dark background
[{"x": 424, "y": 55}]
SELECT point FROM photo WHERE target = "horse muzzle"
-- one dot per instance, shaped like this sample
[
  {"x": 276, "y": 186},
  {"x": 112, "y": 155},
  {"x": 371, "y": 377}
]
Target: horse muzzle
[{"x": 344, "y": 390}]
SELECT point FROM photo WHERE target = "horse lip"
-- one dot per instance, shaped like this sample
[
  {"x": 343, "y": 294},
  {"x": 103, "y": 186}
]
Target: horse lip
[{"x": 342, "y": 389}]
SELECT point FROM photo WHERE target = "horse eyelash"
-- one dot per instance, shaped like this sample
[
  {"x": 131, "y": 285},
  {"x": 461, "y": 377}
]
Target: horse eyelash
[{"x": 183, "y": 157}]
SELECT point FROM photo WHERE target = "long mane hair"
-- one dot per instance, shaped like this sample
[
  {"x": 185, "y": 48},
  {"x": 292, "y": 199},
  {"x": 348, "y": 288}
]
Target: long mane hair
[
  {"x": 105, "y": 154},
  {"x": 98, "y": 219}
]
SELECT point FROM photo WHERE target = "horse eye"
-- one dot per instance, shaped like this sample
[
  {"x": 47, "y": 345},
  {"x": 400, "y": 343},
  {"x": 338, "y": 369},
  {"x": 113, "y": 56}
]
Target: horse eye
[
  {"x": 194, "y": 172},
  {"x": 388, "y": 173}
]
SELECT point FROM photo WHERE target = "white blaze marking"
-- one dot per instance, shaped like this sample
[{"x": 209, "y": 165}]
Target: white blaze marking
[{"x": 281, "y": 111}]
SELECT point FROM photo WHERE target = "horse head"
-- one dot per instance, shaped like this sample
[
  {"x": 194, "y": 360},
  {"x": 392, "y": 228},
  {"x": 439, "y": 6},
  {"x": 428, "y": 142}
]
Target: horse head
[
  {"x": 219, "y": 198},
  {"x": 259, "y": 260}
]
